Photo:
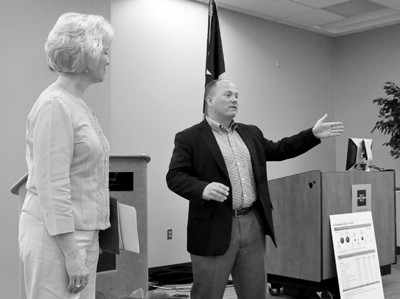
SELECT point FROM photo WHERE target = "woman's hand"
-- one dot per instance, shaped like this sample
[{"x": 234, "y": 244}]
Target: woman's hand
[
  {"x": 78, "y": 274},
  {"x": 77, "y": 271}
]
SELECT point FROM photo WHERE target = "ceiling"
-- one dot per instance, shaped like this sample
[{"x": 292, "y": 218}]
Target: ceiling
[{"x": 328, "y": 17}]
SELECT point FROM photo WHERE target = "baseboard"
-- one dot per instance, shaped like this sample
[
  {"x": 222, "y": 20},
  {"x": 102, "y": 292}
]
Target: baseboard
[{"x": 154, "y": 269}]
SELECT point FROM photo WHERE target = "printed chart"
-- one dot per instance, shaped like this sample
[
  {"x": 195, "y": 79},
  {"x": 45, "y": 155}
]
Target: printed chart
[{"x": 356, "y": 256}]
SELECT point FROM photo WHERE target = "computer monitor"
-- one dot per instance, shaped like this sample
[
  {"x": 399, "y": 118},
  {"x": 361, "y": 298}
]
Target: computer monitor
[{"x": 359, "y": 154}]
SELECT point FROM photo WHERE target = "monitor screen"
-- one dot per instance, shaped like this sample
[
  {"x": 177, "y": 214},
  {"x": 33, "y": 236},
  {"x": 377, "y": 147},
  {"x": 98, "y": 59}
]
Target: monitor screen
[{"x": 359, "y": 154}]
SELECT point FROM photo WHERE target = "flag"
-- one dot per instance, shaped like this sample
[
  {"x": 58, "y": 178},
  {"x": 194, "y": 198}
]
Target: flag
[{"x": 215, "y": 65}]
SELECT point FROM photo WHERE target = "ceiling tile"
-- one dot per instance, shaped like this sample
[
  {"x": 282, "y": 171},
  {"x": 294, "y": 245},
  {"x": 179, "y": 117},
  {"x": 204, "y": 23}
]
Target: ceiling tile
[
  {"x": 388, "y": 23},
  {"x": 282, "y": 9},
  {"x": 322, "y": 32},
  {"x": 342, "y": 27},
  {"x": 311, "y": 14},
  {"x": 255, "y": 14},
  {"x": 319, "y": 3},
  {"x": 388, "y": 3},
  {"x": 360, "y": 19},
  {"x": 229, "y": 7},
  {"x": 354, "y": 7},
  {"x": 357, "y": 30},
  {"x": 360, "y": 25},
  {"x": 245, "y": 4},
  {"x": 314, "y": 17},
  {"x": 290, "y": 24}
]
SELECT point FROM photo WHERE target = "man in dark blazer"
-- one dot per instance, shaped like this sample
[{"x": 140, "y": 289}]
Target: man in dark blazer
[{"x": 220, "y": 167}]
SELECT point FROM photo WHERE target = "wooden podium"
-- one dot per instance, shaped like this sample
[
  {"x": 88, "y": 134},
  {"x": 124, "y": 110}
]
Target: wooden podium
[
  {"x": 304, "y": 257},
  {"x": 127, "y": 272}
]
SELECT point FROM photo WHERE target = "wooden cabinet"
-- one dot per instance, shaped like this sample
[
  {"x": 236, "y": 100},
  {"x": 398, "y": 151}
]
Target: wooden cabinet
[{"x": 302, "y": 205}]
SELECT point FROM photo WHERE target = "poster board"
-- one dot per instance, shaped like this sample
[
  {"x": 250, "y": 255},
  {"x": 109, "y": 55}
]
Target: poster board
[{"x": 356, "y": 256}]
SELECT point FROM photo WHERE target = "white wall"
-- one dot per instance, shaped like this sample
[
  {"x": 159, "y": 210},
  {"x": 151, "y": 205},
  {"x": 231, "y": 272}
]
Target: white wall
[
  {"x": 157, "y": 84},
  {"x": 157, "y": 78},
  {"x": 24, "y": 74},
  {"x": 363, "y": 63}
]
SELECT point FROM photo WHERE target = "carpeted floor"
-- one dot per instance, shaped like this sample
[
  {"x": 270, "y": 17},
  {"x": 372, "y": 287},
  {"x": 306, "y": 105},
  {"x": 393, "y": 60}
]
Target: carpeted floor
[{"x": 391, "y": 288}]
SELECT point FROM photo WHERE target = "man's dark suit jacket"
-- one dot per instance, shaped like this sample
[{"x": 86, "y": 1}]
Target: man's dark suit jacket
[{"x": 197, "y": 161}]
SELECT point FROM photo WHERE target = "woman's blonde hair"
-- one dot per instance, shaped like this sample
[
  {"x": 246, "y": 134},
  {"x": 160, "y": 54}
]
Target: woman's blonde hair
[{"x": 76, "y": 42}]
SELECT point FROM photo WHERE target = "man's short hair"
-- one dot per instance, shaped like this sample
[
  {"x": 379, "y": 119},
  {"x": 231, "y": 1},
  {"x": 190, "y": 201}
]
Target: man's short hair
[
  {"x": 210, "y": 87},
  {"x": 76, "y": 41},
  {"x": 210, "y": 90}
]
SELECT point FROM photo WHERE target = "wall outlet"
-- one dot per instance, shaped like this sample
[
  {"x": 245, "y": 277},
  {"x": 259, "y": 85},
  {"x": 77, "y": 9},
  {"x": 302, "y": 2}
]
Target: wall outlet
[{"x": 169, "y": 234}]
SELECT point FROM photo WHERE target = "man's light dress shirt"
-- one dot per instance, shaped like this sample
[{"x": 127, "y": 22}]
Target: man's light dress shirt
[{"x": 238, "y": 163}]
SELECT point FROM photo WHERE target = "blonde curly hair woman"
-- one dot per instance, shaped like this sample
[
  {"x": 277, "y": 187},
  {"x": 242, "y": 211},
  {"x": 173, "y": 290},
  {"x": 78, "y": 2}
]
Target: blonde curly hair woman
[{"x": 67, "y": 202}]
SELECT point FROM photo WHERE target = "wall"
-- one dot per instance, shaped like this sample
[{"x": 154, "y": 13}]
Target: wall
[
  {"x": 157, "y": 77},
  {"x": 157, "y": 85},
  {"x": 24, "y": 74},
  {"x": 363, "y": 63}
]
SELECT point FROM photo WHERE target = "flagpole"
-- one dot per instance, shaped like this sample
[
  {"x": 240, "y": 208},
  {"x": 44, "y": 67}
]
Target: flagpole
[
  {"x": 210, "y": 11},
  {"x": 215, "y": 65}
]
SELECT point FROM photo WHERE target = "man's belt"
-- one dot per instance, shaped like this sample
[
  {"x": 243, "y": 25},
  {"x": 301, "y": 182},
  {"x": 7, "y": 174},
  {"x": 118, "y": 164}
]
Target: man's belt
[{"x": 240, "y": 212}]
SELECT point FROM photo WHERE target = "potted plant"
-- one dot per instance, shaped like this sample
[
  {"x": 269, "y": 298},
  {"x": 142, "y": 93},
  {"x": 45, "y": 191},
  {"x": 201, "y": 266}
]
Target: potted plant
[{"x": 389, "y": 117}]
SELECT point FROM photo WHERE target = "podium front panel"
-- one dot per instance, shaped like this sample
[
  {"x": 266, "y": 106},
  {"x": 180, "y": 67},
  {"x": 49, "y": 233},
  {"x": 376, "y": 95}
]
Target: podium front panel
[
  {"x": 297, "y": 214},
  {"x": 302, "y": 205},
  {"x": 337, "y": 199},
  {"x": 128, "y": 184},
  {"x": 128, "y": 271}
]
